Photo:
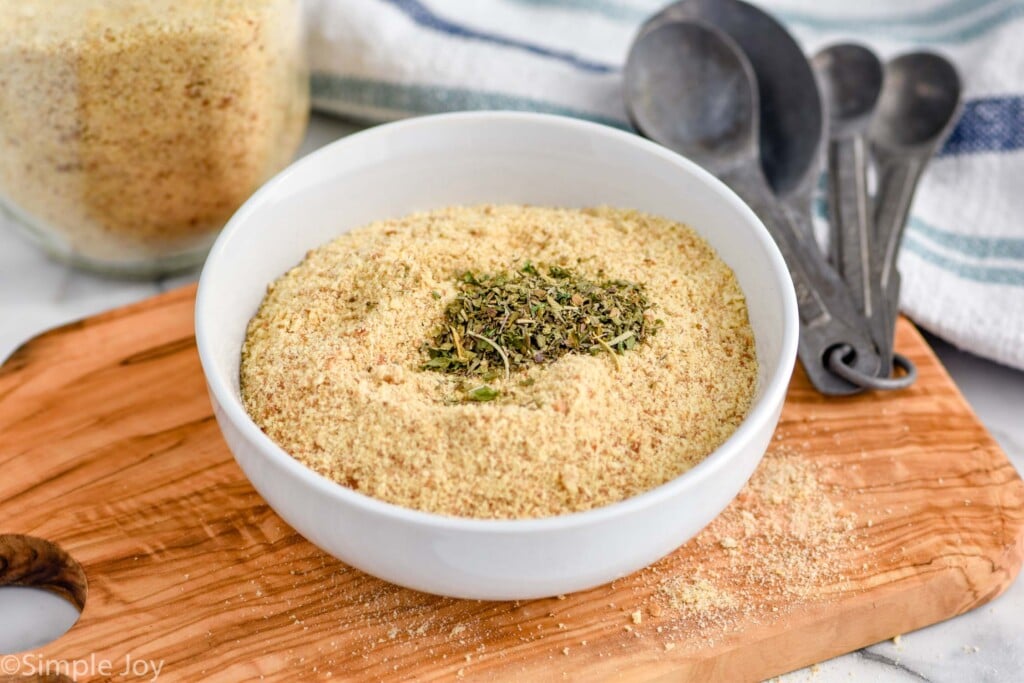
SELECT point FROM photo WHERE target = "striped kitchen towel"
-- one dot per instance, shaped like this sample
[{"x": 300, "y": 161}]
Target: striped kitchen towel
[{"x": 963, "y": 255}]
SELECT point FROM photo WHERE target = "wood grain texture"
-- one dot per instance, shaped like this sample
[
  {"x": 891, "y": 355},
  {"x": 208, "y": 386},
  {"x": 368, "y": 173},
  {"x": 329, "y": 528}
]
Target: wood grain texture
[
  {"x": 108, "y": 448},
  {"x": 38, "y": 563}
]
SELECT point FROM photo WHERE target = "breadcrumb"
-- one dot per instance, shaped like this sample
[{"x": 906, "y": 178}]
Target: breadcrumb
[{"x": 331, "y": 366}]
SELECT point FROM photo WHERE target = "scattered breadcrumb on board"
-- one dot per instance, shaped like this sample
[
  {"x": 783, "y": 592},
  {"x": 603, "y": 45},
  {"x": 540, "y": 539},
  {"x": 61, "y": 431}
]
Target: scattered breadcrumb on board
[{"x": 778, "y": 546}]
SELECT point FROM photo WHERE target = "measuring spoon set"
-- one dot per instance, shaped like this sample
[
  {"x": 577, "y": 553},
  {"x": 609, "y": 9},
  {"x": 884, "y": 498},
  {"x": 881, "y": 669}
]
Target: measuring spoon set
[{"x": 723, "y": 83}]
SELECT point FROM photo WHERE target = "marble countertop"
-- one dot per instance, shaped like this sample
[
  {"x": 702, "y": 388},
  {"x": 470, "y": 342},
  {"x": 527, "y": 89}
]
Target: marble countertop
[{"x": 984, "y": 645}]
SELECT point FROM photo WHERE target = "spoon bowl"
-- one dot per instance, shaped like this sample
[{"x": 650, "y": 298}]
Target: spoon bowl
[
  {"x": 919, "y": 102},
  {"x": 792, "y": 119},
  {"x": 851, "y": 81},
  {"x": 666, "y": 67}
]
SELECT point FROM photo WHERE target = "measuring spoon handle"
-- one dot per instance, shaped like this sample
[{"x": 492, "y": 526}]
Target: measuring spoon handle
[
  {"x": 828, "y": 317},
  {"x": 855, "y": 248},
  {"x": 798, "y": 208},
  {"x": 898, "y": 175},
  {"x": 851, "y": 221}
]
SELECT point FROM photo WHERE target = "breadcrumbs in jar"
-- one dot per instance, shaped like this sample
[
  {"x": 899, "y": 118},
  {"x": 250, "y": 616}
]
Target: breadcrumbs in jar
[{"x": 130, "y": 131}]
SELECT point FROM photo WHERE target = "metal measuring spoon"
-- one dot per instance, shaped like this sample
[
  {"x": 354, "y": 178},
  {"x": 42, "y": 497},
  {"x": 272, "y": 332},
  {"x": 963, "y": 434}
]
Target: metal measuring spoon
[
  {"x": 792, "y": 118},
  {"x": 920, "y": 102},
  {"x": 689, "y": 87},
  {"x": 851, "y": 78}
]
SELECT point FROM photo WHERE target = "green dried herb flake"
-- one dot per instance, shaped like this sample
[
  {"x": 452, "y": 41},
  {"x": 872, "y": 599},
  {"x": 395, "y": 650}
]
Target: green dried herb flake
[
  {"x": 482, "y": 393},
  {"x": 503, "y": 322}
]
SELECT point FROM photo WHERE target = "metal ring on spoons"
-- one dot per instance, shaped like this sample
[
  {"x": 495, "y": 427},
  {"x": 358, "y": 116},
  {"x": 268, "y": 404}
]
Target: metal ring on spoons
[{"x": 836, "y": 362}]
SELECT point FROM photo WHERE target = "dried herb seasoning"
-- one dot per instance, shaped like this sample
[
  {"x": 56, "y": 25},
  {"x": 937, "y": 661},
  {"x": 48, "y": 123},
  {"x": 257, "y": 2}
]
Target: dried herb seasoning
[{"x": 502, "y": 322}]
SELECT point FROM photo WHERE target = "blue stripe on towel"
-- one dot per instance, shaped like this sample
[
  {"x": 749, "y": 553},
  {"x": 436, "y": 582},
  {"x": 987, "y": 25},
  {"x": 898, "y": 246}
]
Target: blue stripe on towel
[
  {"x": 989, "y": 124},
  {"x": 422, "y": 15},
  {"x": 608, "y": 9},
  {"x": 433, "y": 99}
]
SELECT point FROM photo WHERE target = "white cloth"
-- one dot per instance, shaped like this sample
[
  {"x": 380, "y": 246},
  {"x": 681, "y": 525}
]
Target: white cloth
[{"x": 963, "y": 256}]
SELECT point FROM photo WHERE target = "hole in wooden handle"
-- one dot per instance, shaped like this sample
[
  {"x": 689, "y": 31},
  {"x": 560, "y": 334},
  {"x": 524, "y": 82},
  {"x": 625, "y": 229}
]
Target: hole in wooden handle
[{"x": 38, "y": 563}]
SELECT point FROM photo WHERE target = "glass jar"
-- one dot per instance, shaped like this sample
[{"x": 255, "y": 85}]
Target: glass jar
[{"x": 131, "y": 130}]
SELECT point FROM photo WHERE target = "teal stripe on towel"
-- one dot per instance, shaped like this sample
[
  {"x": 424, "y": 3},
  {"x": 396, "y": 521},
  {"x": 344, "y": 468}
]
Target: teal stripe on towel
[
  {"x": 939, "y": 14},
  {"x": 980, "y": 27},
  {"x": 985, "y": 274},
  {"x": 977, "y": 247},
  {"x": 923, "y": 28},
  {"x": 921, "y": 35},
  {"x": 1005, "y": 248},
  {"x": 433, "y": 99}
]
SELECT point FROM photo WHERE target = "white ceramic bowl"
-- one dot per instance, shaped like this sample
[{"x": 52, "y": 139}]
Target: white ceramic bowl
[{"x": 470, "y": 158}]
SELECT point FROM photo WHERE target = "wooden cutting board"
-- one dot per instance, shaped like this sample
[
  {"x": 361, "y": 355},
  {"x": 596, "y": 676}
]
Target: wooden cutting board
[{"x": 109, "y": 449}]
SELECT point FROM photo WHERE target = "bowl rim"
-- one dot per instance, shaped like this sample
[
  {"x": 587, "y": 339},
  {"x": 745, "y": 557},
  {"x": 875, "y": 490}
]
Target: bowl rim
[{"x": 763, "y": 410}]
